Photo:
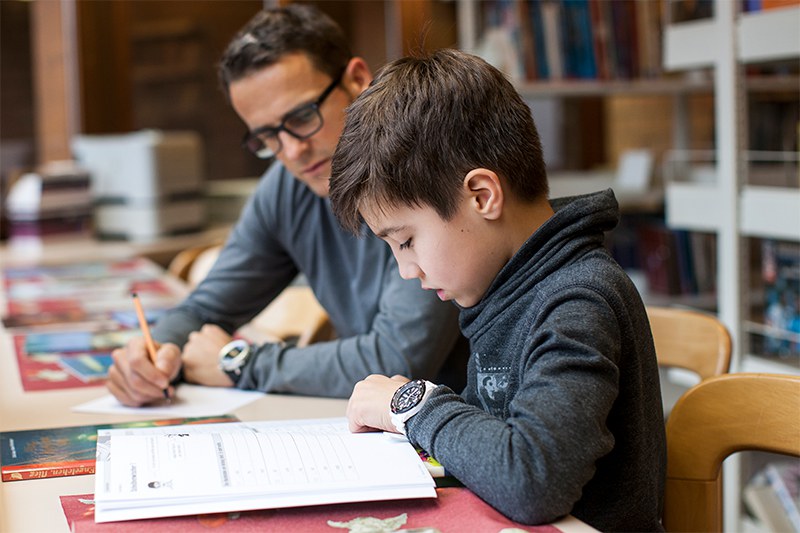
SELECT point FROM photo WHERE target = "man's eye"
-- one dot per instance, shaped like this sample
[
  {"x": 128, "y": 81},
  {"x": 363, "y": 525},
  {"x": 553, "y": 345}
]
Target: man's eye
[
  {"x": 405, "y": 245},
  {"x": 267, "y": 135},
  {"x": 301, "y": 117}
]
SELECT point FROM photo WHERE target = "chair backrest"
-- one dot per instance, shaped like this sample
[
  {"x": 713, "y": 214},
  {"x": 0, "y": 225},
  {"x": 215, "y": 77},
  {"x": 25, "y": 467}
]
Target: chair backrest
[
  {"x": 295, "y": 314},
  {"x": 714, "y": 419},
  {"x": 691, "y": 340},
  {"x": 185, "y": 265}
]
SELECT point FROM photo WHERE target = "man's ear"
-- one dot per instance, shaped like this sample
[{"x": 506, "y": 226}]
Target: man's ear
[
  {"x": 357, "y": 76},
  {"x": 485, "y": 193}
]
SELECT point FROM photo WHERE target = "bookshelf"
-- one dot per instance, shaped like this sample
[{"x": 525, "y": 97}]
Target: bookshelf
[
  {"x": 739, "y": 201},
  {"x": 633, "y": 108}
]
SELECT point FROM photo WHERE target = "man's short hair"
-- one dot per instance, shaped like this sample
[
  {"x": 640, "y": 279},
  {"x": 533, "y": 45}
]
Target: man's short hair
[
  {"x": 422, "y": 126},
  {"x": 273, "y": 33}
]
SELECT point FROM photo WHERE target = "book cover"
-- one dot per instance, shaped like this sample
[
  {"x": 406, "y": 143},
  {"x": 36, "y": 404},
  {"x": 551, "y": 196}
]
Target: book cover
[
  {"x": 784, "y": 479},
  {"x": 780, "y": 271},
  {"x": 440, "y": 476},
  {"x": 89, "y": 293},
  {"x": 87, "y": 367},
  {"x": 67, "y": 451},
  {"x": 763, "y": 504},
  {"x": 659, "y": 258},
  {"x": 601, "y": 36},
  {"x": 578, "y": 40},
  {"x": 45, "y": 371},
  {"x": 453, "y": 509},
  {"x": 66, "y": 359}
]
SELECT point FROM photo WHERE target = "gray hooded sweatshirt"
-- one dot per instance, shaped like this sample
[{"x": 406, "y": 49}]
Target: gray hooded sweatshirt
[{"x": 562, "y": 409}]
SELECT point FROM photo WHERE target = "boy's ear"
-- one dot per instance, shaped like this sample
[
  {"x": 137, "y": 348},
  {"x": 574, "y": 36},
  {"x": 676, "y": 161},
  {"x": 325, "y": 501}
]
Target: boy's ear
[{"x": 485, "y": 192}]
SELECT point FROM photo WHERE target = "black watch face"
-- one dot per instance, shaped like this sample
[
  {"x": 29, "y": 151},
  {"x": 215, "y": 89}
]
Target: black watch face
[
  {"x": 233, "y": 352},
  {"x": 408, "y": 396}
]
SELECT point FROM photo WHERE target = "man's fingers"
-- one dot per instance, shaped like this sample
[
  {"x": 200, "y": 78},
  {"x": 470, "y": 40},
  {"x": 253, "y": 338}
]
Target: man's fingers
[
  {"x": 123, "y": 393},
  {"x": 133, "y": 378}
]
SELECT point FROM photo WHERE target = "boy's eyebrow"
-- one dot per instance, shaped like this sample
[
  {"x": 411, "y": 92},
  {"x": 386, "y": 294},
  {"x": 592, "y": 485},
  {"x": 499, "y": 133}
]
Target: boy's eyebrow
[{"x": 385, "y": 232}]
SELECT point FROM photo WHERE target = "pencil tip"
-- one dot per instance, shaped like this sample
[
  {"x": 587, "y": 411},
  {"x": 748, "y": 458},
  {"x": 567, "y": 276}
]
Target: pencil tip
[{"x": 133, "y": 294}]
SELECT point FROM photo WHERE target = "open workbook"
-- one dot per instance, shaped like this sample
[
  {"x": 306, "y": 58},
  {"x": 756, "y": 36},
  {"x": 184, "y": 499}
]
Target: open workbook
[{"x": 182, "y": 470}]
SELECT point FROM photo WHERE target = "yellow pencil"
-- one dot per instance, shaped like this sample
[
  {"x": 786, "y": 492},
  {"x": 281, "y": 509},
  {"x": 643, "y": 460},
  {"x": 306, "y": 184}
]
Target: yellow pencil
[{"x": 148, "y": 338}]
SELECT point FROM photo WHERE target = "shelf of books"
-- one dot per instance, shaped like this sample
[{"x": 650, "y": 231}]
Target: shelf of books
[
  {"x": 601, "y": 62},
  {"x": 558, "y": 46},
  {"x": 746, "y": 192}
]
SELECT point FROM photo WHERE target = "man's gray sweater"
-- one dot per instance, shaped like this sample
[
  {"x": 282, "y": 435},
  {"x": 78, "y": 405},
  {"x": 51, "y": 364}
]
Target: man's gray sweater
[{"x": 385, "y": 324}]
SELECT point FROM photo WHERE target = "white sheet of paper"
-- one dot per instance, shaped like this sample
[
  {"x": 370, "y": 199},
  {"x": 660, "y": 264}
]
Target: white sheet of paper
[{"x": 189, "y": 401}]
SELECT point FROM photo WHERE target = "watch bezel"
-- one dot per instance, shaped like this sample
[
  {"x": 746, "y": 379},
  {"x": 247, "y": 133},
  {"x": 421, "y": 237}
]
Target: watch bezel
[
  {"x": 401, "y": 403},
  {"x": 230, "y": 362}
]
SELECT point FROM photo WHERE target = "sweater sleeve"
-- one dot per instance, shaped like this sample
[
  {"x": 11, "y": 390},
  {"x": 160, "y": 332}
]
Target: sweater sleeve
[
  {"x": 533, "y": 464},
  {"x": 412, "y": 335},
  {"x": 252, "y": 269},
  {"x": 401, "y": 330}
]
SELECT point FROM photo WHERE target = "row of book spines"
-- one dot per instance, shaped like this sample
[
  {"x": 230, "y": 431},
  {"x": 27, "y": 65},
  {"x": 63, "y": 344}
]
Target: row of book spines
[
  {"x": 761, "y": 5},
  {"x": 674, "y": 262},
  {"x": 582, "y": 39}
]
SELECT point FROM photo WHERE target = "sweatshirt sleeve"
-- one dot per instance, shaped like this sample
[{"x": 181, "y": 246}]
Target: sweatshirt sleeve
[{"x": 532, "y": 465}]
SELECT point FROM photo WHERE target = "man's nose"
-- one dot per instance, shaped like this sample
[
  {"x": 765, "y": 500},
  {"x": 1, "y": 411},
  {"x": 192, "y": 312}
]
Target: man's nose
[{"x": 292, "y": 146}]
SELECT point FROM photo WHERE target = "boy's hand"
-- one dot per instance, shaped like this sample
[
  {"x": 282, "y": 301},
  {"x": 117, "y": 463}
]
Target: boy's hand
[
  {"x": 201, "y": 357},
  {"x": 134, "y": 380},
  {"x": 368, "y": 408}
]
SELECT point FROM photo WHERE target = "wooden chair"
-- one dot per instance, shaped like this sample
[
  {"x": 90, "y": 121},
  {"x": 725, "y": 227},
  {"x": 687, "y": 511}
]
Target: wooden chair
[
  {"x": 714, "y": 419},
  {"x": 690, "y": 340},
  {"x": 185, "y": 263},
  {"x": 295, "y": 315}
]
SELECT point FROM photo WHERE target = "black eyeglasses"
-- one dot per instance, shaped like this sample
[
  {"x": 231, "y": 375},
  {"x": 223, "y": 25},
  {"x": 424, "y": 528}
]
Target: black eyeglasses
[{"x": 301, "y": 124}]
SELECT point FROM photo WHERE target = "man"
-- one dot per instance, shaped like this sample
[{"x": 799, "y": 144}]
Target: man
[{"x": 289, "y": 74}]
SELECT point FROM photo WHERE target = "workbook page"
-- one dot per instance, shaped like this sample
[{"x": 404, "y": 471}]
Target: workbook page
[{"x": 236, "y": 466}]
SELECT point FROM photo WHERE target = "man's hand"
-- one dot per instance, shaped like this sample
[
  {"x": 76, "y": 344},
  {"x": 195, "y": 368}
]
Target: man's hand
[
  {"x": 368, "y": 408},
  {"x": 134, "y": 380},
  {"x": 201, "y": 357}
]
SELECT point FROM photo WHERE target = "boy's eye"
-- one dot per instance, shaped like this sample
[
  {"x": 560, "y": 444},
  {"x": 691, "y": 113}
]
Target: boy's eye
[{"x": 405, "y": 245}]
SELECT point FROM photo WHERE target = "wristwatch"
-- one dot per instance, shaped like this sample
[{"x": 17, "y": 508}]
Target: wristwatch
[
  {"x": 233, "y": 356},
  {"x": 408, "y": 400}
]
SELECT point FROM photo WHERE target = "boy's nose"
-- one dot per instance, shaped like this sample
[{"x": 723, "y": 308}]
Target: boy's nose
[{"x": 410, "y": 270}]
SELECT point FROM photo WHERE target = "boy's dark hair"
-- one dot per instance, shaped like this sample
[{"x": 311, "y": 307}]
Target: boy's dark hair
[
  {"x": 422, "y": 126},
  {"x": 273, "y": 33}
]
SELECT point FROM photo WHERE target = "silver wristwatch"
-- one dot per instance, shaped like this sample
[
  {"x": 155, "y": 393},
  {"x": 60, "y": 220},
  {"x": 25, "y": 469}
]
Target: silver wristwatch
[
  {"x": 408, "y": 400},
  {"x": 233, "y": 356}
]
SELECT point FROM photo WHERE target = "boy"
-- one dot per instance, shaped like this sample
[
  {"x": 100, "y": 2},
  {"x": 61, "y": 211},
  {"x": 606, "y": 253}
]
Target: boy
[{"x": 562, "y": 410}]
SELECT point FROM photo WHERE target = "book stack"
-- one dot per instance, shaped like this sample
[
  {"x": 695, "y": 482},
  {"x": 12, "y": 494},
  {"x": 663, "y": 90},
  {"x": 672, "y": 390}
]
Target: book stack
[{"x": 55, "y": 200}]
